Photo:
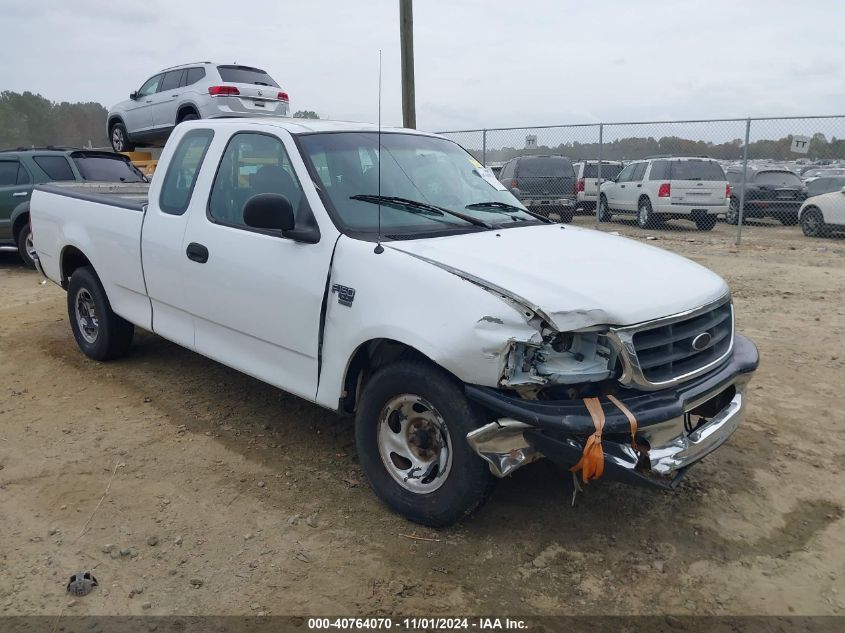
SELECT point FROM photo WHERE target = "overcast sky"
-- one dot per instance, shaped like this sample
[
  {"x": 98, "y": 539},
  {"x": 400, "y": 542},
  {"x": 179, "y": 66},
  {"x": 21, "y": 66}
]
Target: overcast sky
[{"x": 478, "y": 63}]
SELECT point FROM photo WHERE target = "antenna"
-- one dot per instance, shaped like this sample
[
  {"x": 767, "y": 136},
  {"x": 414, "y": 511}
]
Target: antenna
[{"x": 379, "y": 248}]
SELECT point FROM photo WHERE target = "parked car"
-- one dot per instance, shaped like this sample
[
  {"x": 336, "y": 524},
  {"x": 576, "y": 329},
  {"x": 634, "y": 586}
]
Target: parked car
[
  {"x": 21, "y": 169},
  {"x": 586, "y": 180},
  {"x": 770, "y": 192},
  {"x": 822, "y": 171},
  {"x": 660, "y": 189},
  {"x": 823, "y": 184},
  {"x": 544, "y": 184},
  {"x": 822, "y": 215},
  {"x": 203, "y": 90},
  {"x": 414, "y": 293}
]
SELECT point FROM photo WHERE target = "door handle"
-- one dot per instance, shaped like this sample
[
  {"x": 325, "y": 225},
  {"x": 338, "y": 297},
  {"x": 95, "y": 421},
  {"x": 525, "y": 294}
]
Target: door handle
[
  {"x": 19, "y": 194},
  {"x": 174, "y": 96},
  {"x": 639, "y": 185},
  {"x": 149, "y": 101},
  {"x": 621, "y": 186},
  {"x": 197, "y": 253}
]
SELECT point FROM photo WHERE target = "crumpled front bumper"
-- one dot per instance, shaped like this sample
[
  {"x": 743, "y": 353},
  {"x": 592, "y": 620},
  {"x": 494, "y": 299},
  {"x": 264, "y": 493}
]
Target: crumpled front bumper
[{"x": 676, "y": 427}]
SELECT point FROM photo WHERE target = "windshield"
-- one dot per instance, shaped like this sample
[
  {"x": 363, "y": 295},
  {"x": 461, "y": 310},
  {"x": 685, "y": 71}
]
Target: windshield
[
  {"x": 106, "y": 168},
  {"x": 778, "y": 178},
  {"x": 428, "y": 170}
]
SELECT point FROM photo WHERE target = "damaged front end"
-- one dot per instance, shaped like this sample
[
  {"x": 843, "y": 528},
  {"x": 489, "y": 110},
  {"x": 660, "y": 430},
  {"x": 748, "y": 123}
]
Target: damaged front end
[{"x": 677, "y": 382}]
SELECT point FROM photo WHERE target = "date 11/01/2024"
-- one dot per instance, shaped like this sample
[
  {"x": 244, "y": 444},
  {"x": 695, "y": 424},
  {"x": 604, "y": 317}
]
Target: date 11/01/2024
[{"x": 481, "y": 624}]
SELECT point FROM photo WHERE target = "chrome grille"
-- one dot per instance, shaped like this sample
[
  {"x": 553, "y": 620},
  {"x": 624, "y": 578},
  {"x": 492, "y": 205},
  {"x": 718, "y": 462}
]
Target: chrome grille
[{"x": 665, "y": 353}]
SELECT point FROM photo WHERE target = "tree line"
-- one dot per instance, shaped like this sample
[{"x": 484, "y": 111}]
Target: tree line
[{"x": 642, "y": 147}]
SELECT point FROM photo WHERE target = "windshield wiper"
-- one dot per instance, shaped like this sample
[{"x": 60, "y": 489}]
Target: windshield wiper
[
  {"x": 495, "y": 206},
  {"x": 415, "y": 206}
]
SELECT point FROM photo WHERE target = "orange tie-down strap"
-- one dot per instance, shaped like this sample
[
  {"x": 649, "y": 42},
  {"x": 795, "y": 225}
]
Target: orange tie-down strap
[{"x": 591, "y": 463}]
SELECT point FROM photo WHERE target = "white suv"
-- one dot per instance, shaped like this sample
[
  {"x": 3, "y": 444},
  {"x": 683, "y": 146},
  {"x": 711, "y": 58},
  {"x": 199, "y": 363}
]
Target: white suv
[
  {"x": 587, "y": 179},
  {"x": 192, "y": 91},
  {"x": 660, "y": 189}
]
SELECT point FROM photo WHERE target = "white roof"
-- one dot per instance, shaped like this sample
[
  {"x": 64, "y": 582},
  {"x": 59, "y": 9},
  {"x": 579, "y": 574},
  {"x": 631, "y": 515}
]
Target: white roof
[{"x": 304, "y": 126}]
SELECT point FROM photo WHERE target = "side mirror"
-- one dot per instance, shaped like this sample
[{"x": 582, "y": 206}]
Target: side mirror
[
  {"x": 133, "y": 95},
  {"x": 269, "y": 211},
  {"x": 842, "y": 190}
]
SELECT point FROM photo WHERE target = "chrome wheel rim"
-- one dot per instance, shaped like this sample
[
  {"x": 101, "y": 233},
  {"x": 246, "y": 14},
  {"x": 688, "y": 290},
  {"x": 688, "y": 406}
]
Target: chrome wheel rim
[
  {"x": 117, "y": 138},
  {"x": 732, "y": 214},
  {"x": 812, "y": 225},
  {"x": 643, "y": 217},
  {"x": 414, "y": 444},
  {"x": 29, "y": 246},
  {"x": 86, "y": 316}
]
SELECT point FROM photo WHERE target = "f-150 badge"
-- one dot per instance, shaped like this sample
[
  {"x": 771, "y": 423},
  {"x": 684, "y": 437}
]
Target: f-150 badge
[{"x": 345, "y": 295}]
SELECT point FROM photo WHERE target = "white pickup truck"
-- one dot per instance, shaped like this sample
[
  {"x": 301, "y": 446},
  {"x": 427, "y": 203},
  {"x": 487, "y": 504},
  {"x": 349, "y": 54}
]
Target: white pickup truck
[{"x": 468, "y": 336}]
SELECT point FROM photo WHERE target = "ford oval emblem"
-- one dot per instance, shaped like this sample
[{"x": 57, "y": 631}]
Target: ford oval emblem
[{"x": 701, "y": 341}]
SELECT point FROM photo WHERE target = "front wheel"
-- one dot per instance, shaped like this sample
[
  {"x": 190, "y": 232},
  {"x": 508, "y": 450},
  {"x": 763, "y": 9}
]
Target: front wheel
[
  {"x": 812, "y": 222},
  {"x": 120, "y": 139},
  {"x": 26, "y": 247},
  {"x": 705, "y": 222},
  {"x": 99, "y": 332},
  {"x": 410, "y": 433}
]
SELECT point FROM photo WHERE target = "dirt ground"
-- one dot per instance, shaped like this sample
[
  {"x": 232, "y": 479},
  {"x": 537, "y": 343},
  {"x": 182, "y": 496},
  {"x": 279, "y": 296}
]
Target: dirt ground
[{"x": 227, "y": 496}]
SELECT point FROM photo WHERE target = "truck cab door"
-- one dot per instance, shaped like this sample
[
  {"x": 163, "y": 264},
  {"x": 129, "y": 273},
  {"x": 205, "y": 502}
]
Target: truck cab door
[{"x": 256, "y": 296}]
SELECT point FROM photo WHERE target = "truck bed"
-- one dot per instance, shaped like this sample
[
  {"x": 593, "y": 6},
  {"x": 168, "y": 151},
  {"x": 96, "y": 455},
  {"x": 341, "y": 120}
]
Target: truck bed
[{"x": 129, "y": 195}]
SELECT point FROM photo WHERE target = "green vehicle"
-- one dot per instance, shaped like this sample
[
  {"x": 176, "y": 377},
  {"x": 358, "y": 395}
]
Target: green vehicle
[{"x": 21, "y": 169}]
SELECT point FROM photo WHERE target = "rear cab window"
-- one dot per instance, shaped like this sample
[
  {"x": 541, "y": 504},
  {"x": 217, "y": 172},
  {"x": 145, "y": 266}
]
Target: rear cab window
[
  {"x": 245, "y": 75},
  {"x": 182, "y": 172},
  {"x": 545, "y": 167},
  {"x": 608, "y": 171},
  {"x": 57, "y": 168}
]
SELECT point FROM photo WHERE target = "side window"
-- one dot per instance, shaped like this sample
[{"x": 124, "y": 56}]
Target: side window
[
  {"x": 625, "y": 174},
  {"x": 638, "y": 172},
  {"x": 182, "y": 171},
  {"x": 194, "y": 75},
  {"x": 150, "y": 86},
  {"x": 171, "y": 80},
  {"x": 506, "y": 171},
  {"x": 251, "y": 164},
  {"x": 659, "y": 170},
  {"x": 56, "y": 167},
  {"x": 8, "y": 173},
  {"x": 23, "y": 175}
]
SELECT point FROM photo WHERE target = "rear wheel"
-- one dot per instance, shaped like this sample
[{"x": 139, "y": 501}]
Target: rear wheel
[
  {"x": 812, "y": 222},
  {"x": 410, "y": 433},
  {"x": 120, "y": 139},
  {"x": 604, "y": 211},
  {"x": 705, "y": 222},
  {"x": 26, "y": 248},
  {"x": 788, "y": 219},
  {"x": 190, "y": 116},
  {"x": 99, "y": 332},
  {"x": 732, "y": 216},
  {"x": 566, "y": 215},
  {"x": 645, "y": 216}
]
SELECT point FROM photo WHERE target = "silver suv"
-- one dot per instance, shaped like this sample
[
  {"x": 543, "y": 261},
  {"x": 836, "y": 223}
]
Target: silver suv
[{"x": 203, "y": 90}]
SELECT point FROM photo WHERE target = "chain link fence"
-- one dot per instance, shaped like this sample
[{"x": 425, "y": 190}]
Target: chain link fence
[{"x": 750, "y": 179}]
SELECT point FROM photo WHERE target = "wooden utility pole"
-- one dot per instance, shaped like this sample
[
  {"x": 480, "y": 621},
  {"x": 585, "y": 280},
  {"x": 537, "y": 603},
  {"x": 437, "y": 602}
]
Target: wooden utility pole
[{"x": 406, "y": 38}]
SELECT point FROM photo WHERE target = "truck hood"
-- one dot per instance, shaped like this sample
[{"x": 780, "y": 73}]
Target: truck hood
[{"x": 573, "y": 277}]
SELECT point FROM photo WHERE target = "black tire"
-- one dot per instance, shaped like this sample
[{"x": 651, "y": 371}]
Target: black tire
[
  {"x": 107, "y": 335},
  {"x": 24, "y": 241},
  {"x": 468, "y": 481},
  {"x": 119, "y": 138},
  {"x": 604, "y": 211},
  {"x": 645, "y": 216},
  {"x": 705, "y": 222},
  {"x": 812, "y": 222},
  {"x": 190, "y": 116},
  {"x": 566, "y": 215},
  {"x": 788, "y": 219},
  {"x": 732, "y": 216}
]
